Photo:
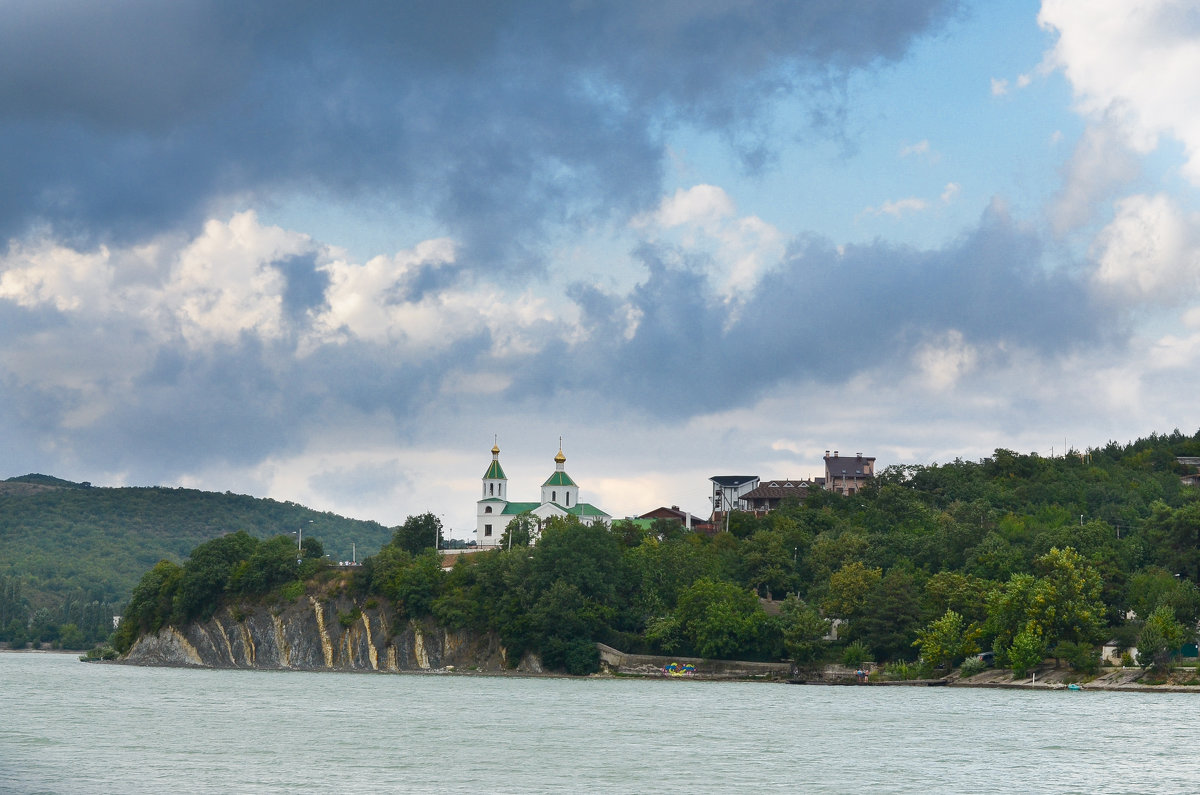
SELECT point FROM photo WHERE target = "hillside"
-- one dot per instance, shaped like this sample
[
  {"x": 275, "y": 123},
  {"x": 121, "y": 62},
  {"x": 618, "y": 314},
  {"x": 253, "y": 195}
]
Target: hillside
[
  {"x": 74, "y": 552},
  {"x": 1019, "y": 554}
]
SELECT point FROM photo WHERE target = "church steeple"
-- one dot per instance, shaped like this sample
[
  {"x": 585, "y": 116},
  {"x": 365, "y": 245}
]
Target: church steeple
[
  {"x": 559, "y": 488},
  {"x": 494, "y": 480}
]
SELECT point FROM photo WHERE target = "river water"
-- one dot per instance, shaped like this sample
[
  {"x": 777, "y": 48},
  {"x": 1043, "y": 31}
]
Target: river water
[{"x": 66, "y": 726}]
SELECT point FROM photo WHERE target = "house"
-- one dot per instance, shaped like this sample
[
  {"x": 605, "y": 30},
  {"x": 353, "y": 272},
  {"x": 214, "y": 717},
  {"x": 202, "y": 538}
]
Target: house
[
  {"x": 674, "y": 514},
  {"x": 560, "y": 497},
  {"x": 727, "y": 491},
  {"x": 847, "y": 474},
  {"x": 770, "y": 495},
  {"x": 1110, "y": 653}
]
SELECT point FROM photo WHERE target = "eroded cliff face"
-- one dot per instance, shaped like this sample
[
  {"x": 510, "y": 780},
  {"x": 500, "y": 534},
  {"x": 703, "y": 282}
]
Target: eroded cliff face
[{"x": 319, "y": 634}]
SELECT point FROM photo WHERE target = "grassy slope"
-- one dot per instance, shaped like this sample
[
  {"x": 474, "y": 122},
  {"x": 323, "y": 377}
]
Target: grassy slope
[{"x": 58, "y": 536}]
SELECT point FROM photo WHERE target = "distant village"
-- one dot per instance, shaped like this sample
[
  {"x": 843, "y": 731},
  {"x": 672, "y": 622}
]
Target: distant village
[{"x": 560, "y": 496}]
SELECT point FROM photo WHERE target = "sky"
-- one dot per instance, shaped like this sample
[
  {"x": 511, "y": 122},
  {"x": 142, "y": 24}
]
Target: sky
[{"x": 332, "y": 253}]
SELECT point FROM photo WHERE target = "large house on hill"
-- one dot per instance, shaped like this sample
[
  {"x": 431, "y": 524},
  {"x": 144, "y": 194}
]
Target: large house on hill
[
  {"x": 560, "y": 497},
  {"x": 847, "y": 474},
  {"x": 843, "y": 474}
]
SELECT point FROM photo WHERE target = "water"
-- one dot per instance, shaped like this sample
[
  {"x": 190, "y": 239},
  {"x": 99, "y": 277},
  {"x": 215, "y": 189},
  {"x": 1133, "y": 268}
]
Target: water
[{"x": 70, "y": 727}]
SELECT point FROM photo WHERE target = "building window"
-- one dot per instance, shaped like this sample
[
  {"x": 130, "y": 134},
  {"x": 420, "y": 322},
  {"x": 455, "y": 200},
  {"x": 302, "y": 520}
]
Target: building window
[
  {"x": 554, "y": 496},
  {"x": 491, "y": 488},
  {"x": 487, "y": 529},
  {"x": 568, "y": 499},
  {"x": 488, "y": 509}
]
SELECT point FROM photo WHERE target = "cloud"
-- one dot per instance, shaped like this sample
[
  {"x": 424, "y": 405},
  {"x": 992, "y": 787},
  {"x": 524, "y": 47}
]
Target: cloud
[
  {"x": 494, "y": 121},
  {"x": 732, "y": 250},
  {"x": 898, "y": 207},
  {"x": 1135, "y": 64},
  {"x": 824, "y": 314},
  {"x": 1150, "y": 252},
  {"x": 950, "y": 191},
  {"x": 999, "y": 87},
  {"x": 1099, "y": 167},
  {"x": 942, "y": 362}
]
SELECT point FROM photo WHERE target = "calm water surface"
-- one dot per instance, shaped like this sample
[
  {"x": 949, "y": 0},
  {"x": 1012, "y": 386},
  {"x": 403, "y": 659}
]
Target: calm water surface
[{"x": 70, "y": 727}]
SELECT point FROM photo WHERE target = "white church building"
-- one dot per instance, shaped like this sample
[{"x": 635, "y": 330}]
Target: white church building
[{"x": 560, "y": 497}]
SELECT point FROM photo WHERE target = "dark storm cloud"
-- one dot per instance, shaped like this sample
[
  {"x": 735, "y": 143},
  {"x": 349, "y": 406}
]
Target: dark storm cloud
[
  {"x": 497, "y": 117},
  {"x": 236, "y": 404},
  {"x": 823, "y": 316}
]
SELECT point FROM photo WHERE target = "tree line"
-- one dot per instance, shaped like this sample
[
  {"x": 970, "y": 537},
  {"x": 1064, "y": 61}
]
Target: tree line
[
  {"x": 1019, "y": 554},
  {"x": 68, "y": 546}
]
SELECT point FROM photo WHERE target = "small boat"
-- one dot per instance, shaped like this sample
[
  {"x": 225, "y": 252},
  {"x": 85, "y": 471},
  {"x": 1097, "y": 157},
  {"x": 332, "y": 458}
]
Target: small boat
[{"x": 1074, "y": 686}]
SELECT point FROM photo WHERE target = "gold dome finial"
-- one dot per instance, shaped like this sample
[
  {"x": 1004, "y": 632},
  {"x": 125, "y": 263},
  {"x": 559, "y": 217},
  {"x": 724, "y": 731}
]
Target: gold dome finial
[
  {"x": 496, "y": 446},
  {"x": 560, "y": 458}
]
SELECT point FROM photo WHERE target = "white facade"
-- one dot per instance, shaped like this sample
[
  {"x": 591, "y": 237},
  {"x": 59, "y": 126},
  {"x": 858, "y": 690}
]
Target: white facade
[{"x": 559, "y": 497}]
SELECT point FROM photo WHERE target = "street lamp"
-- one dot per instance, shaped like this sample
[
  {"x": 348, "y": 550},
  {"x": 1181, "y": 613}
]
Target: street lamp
[{"x": 300, "y": 543}]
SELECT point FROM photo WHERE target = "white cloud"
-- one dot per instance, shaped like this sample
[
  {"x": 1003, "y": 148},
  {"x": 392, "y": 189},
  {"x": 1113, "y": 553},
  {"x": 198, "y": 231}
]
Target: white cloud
[
  {"x": 704, "y": 219},
  {"x": 999, "y": 87},
  {"x": 225, "y": 282},
  {"x": 1101, "y": 164},
  {"x": 701, "y": 205},
  {"x": 1149, "y": 252},
  {"x": 950, "y": 191},
  {"x": 898, "y": 207},
  {"x": 51, "y": 274},
  {"x": 943, "y": 362},
  {"x": 1135, "y": 61}
]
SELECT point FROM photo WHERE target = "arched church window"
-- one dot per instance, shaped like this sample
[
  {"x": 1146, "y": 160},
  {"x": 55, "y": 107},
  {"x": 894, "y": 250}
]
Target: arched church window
[
  {"x": 487, "y": 509},
  {"x": 491, "y": 488},
  {"x": 554, "y": 496}
]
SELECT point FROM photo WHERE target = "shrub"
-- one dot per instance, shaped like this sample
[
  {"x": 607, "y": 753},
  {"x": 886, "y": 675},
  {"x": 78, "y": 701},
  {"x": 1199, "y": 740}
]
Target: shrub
[
  {"x": 855, "y": 654},
  {"x": 347, "y": 619},
  {"x": 1082, "y": 657},
  {"x": 972, "y": 666},
  {"x": 291, "y": 591}
]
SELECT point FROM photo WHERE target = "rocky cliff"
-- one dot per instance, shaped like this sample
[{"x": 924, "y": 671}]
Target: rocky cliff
[{"x": 315, "y": 633}]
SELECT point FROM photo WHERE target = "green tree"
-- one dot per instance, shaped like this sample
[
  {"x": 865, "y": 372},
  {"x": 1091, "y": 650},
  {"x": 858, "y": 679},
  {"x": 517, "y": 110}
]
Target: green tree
[
  {"x": 1154, "y": 587},
  {"x": 1161, "y": 637},
  {"x": 418, "y": 533},
  {"x": 720, "y": 619},
  {"x": 1061, "y": 604},
  {"x": 207, "y": 571},
  {"x": 1027, "y": 651},
  {"x": 804, "y": 631},
  {"x": 948, "y": 640},
  {"x": 1069, "y": 606},
  {"x": 271, "y": 564},
  {"x": 519, "y": 532},
  {"x": 850, "y": 589},
  {"x": 889, "y": 619}
]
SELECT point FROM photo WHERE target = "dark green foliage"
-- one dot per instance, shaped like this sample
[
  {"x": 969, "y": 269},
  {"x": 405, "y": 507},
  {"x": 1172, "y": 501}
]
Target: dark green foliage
[
  {"x": 78, "y": 551},
  {"x": 804, "y": 630},
  {"x": 890, "y": 618},
  {"x": 721, "y": 619},
  {"x": 207, "y": 572},
  {"x": 519, "y": 531},
  {"x": 418, "y": 533},
  {"x": 1046, "y": 555},
  {"x": 1161, "y": 637}
]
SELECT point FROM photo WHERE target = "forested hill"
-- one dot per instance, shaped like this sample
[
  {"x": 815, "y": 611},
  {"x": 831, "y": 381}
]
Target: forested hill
[
  {"x": 1023, "y": 555},
  {"x": 70, "y": 552}
]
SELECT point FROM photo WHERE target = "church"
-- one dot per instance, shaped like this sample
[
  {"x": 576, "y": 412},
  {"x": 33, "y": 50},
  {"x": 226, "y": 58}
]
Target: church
[{"x": 560, "y": 497}]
